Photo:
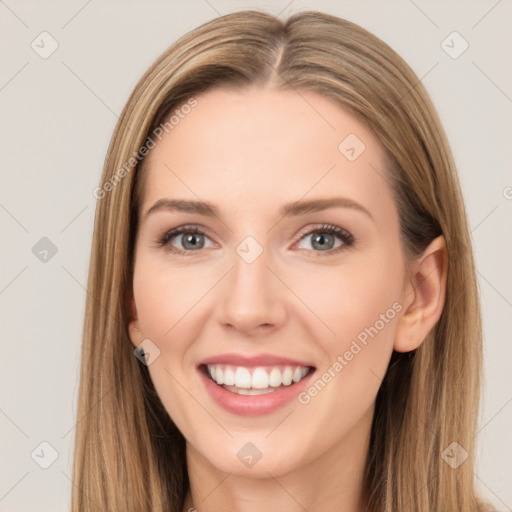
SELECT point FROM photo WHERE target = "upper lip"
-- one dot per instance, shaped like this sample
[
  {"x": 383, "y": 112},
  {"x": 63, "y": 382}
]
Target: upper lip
[{"x": 250, "y": 361}]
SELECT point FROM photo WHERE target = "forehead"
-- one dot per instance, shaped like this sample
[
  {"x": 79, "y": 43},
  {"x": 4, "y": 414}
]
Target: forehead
[{"x": 257, "y": 146}]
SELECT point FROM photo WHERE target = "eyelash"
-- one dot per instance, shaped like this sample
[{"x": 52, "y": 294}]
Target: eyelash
[{"x": 347, "y": 238}]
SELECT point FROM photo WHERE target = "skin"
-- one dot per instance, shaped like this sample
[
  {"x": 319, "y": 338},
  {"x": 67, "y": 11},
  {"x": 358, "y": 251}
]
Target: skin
[{"x": 249, "y": 151}]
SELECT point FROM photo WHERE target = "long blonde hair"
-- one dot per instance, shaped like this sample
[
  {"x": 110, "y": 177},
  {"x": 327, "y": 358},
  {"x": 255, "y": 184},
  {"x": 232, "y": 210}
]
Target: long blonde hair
[{"x": 129, "y": 455}]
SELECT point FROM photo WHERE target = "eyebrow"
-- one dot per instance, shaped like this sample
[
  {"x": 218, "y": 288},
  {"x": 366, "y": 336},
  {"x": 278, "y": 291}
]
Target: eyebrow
[{"x": 294, "y": 209}]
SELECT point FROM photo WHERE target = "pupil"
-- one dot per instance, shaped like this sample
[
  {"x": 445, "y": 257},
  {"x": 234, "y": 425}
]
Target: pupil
[
  {"x": 189, "y": 239},
  {"x": 321, "y": 239}
]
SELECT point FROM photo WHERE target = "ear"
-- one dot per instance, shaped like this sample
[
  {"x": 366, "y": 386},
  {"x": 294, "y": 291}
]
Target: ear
[
  {"x": 423, "y": 297},
  {"x": 133, "y": 323}
]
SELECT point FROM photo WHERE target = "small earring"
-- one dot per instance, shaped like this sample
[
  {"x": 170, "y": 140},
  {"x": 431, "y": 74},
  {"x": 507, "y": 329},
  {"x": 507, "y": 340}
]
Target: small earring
[{"x": 135, "y": 328}]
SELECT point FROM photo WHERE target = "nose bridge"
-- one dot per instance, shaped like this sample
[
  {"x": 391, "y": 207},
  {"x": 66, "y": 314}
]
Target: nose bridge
[{"x": 252, "y": 296}]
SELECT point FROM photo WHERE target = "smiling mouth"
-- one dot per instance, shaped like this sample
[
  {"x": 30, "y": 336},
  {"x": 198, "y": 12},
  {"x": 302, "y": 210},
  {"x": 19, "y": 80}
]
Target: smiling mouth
[{"x": 257, "y": 380}]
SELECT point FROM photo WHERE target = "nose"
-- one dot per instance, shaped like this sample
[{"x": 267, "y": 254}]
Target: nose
[{"x": 253, "y": 298}]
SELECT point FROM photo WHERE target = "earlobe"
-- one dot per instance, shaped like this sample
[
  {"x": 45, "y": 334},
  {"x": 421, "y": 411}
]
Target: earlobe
[
  {"x": 133, "y": 325},
  {"x": 423, "y": 297},
  {"x": 134, "y": 334}
]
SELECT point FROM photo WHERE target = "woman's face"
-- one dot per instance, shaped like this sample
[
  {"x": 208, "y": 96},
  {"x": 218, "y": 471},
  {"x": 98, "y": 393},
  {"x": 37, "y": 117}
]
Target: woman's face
[{"x": 259, "y": 282}]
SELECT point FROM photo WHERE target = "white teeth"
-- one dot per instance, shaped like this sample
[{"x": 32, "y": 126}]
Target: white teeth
[
  {"x": 287, "y": 376},
  {"x": 275, "y": 377},
  {"x": 242, "y": 391},
  {"x": 262, "y": 378},
  {"x": 242, "y": 378},
  {"x": 297, "y": 375},
  {"x": 229, "y": 376},
  {"x": 259, "y": 379}
]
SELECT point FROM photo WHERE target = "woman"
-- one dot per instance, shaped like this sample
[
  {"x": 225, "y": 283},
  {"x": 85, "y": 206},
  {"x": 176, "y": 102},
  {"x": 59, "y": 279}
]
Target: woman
[{"x": 280, "y": 235}]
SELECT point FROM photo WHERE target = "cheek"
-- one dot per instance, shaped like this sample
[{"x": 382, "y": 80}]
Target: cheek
[
  {"x": 164, "y": 296},
  {"x": 358, "y": 306},
  {"x": 362, "y": 311},
  {"x": 165, "y": 299},
  {"x": 347, "y": 299}
]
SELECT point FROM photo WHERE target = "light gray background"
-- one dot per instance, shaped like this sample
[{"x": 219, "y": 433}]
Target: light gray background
[{"x": 58, "y": 115}]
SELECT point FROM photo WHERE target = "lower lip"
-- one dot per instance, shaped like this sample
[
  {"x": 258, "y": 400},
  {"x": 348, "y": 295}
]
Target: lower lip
[{"x": 254, "y": 405}]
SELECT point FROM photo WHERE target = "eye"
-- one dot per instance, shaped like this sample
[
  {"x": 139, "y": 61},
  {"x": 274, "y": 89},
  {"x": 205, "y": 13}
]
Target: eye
[
  {"x": 191, "y": 238},
  {"x": 324, "y": 237}
]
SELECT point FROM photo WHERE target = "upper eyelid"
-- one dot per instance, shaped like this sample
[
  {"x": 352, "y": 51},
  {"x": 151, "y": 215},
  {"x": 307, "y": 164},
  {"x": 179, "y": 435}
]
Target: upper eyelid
[
  {"x": 306, "y": 231},
  {"x": 205, "y": 231}
]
